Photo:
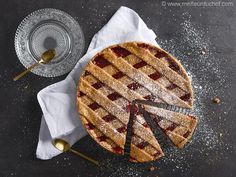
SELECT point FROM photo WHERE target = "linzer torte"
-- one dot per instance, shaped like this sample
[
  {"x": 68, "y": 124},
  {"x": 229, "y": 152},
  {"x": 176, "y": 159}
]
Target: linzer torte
[{"x": 122, "y": 73}]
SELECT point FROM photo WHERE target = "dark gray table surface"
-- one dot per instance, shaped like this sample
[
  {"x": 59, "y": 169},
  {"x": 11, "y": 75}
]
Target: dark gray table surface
[{"x": 212, "y": 151}]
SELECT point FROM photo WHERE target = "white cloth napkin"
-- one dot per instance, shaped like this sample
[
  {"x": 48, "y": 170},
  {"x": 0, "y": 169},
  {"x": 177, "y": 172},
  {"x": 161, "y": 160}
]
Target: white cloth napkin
[{"x": 58, "y": 101}]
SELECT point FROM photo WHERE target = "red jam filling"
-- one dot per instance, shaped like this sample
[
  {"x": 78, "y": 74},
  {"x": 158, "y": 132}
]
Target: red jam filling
[
  {"x": 143, "y": 45},
  {"x": 128, "y": 108},
  {"x": 171, "y": 86},
  {"x": 140, "y": 64},
  {"x": 160, "y": 54},
  {"x": 108, "y": 118},
  {"x": 185, "y": 97},
  {"x": 101, "y": 61},
  {"x": 172, "y": 64},
  {"x": 102, "y": 138},
  {"x": 156, "y": 119},
  {"x": 90, "y": 126},
  {"x": 147, "y": 46},
  {"x": 142, "y": 144},
  {"x": 149, "y": 97},
  {"x": 94, "y": 106},
  {"x": 81, "y": 94},
  {"x": 171, "y": 127},
  {"x": 134, "y": 86},
  {"x": 120, "y": 52},
  {"x": 118, "y": 75},
  {"x": 186, "y": 134},
  {"x": 121, "y": 129},
  {"x": 157, "y": 154},
  {"x": 155, "y": 75},
  {"x": 136, "y": 110},
  {"x": 114, "y": 96},
  {"x": 86, "y": 73},
  {"x": 118, "y": 150},
  {"x": 145, "y": 124},
  {"x": 98, "y": 85}
]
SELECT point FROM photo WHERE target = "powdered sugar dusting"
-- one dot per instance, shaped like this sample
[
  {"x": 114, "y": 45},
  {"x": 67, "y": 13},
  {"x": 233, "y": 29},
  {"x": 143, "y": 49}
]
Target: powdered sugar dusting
[
  {"x": 196, "y": 45},
  {"x": 122, "y": 168}
]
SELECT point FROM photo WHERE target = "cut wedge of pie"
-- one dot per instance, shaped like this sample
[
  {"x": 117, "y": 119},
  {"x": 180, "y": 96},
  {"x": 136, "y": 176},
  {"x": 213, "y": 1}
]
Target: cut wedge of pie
[
  {"x": 178, "y": 127},
  {"x": 144, "y": 146},
  {"x": 122, "y": 74}
]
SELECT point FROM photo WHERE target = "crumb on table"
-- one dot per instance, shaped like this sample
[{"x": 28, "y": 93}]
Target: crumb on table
[
  {"x": 221, "y": 134},
  {"x": 216, "y": 100},
  {"x": 152, "y": 168}
]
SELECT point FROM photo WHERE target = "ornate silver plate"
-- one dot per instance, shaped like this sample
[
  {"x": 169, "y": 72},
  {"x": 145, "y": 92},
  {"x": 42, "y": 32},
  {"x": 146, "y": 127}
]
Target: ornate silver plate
[{"x": 45, "y": 29}]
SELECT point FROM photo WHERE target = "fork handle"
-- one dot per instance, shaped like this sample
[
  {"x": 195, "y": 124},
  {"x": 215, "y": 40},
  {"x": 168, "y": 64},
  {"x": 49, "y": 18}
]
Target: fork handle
[
  {"x": 25, "y": 72},
  {"x": 85, "y": 157}
]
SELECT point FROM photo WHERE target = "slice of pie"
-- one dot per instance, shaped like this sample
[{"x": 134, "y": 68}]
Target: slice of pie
[
  {"x": 122, "y": 73},
  {"x": 178, "y": 127},
  {"x": 144, "y": 146}
]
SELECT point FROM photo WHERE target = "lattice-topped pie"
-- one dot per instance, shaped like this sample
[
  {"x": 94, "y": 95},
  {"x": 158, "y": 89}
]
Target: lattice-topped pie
[{"x": 122, "y": 73}]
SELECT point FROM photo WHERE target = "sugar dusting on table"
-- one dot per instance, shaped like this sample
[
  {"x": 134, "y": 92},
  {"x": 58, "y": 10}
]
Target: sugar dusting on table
[{"x": 195, "y": 45}]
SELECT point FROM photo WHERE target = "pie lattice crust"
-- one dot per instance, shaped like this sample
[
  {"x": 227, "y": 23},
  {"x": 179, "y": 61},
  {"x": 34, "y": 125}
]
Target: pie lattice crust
[{"x": 122, "y": 73}]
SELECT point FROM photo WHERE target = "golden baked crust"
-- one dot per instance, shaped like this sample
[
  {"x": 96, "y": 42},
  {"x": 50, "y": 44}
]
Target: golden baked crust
[
  {"x": 122, "y": 73},
  {"x": 144, "y": 146}
]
